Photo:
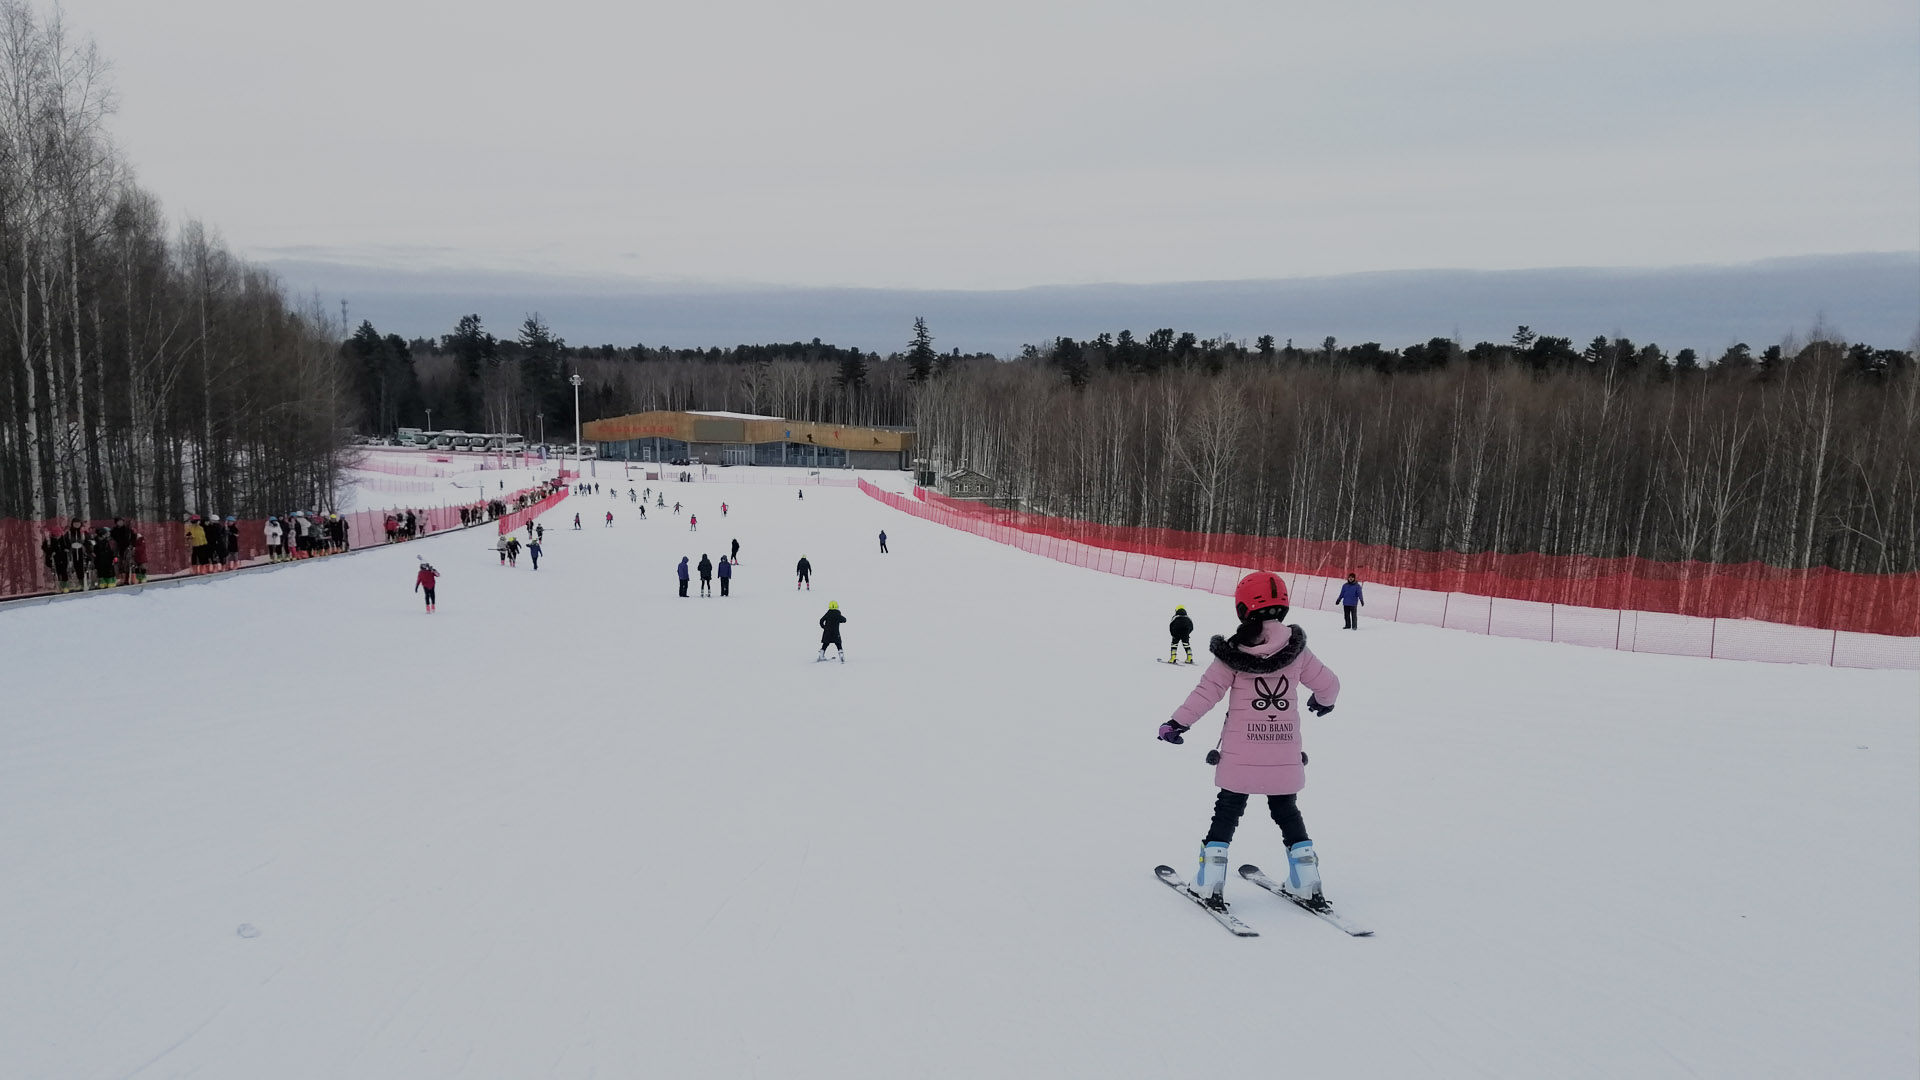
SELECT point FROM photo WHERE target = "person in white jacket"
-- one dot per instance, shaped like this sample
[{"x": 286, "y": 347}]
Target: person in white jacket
[{"x": 274, "y": 535}]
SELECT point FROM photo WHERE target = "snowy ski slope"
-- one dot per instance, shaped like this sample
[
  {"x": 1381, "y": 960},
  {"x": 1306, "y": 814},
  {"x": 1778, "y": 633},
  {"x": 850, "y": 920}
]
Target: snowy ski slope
[{"x": 285, "y": 825}]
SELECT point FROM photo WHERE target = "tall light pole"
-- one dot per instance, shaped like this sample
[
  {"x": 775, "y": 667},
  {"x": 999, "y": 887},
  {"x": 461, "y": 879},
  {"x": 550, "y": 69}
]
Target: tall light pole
[
  {"x": 429, "y": 419},
  {"x": 578, "y": 450}
]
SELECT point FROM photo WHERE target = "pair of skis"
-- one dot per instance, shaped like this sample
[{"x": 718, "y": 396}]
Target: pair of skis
[{"x": 1318, "y": 908}]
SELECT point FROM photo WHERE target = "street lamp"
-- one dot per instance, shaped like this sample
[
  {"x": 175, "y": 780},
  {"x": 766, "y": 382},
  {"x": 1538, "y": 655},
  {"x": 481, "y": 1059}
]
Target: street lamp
[
  {"x": 578, "y": 450},
  {"x": 429, "y": 419}
]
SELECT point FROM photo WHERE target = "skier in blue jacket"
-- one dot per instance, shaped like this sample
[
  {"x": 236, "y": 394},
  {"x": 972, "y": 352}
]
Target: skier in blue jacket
[
  {"x": 1351, "y": 601},
  {"x": 684, "y": 575}
]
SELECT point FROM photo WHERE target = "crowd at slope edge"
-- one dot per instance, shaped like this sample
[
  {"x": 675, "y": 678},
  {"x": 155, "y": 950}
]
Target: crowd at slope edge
[
  {"x": 100, "y": 559},
  {"x": 79, "y": 559}
]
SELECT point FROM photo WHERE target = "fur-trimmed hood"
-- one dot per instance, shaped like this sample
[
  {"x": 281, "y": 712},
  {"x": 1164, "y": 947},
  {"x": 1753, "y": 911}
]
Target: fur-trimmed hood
[{"x": 1262, "y": 661}]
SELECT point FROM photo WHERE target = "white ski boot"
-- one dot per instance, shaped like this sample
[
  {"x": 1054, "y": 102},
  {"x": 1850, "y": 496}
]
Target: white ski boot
[
  {"x": 1303, "y": 872},
  {"x": 1210, "y": 881}
]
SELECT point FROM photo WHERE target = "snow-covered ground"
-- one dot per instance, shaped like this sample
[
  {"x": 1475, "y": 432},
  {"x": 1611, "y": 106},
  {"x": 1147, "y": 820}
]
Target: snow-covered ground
[
  {"x": 287, "y": 825},
  {"x": 471, "y": 478}
]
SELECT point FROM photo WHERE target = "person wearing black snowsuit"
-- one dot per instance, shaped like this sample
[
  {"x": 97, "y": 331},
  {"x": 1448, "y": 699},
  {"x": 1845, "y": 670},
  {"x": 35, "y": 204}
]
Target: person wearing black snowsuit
[
  {"x": 883, "y": 541},
  {"x": 736, "y": 551},
  {"x": 103, "y": 575},
  {"x": 706, "y": 576},
  {"x": 216, "y": 535},
  {"x": 53, "y": 552},
  {"x": 805, "y": 570},
  {"x": 1182, "y": 630},
  {"x": 122, "y": 535},
  {"x": 830, "y": 632}
]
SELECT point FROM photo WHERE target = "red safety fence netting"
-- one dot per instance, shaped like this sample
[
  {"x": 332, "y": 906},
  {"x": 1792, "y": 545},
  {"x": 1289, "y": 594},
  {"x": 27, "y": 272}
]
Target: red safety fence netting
[
  {"x": 738, "y": 474},
  {"x": 1743, "y": 612},
  {"x": 517, "y": 518}
]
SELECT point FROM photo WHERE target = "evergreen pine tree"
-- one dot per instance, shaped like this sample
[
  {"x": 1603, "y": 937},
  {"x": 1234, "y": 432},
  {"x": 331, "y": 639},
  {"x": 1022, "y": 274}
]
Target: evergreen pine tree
[{"x": 920, "y": 354}]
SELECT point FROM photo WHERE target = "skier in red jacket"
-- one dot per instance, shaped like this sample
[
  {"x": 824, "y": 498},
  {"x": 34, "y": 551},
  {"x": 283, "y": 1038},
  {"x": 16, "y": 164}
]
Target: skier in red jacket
[{"x": 424, "y": 580}]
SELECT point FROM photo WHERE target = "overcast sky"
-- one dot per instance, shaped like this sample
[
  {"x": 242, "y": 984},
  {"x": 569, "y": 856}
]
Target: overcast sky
[{"x": 989, "y": 144}]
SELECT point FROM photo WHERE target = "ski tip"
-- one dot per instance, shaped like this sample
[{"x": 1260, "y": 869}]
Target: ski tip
[
  {"x": 1248, "y": 869},
  {"x": 1164, "y": 871}
]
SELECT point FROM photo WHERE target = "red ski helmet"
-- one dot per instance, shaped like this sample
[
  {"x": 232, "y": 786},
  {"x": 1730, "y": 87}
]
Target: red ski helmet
[{"x": 1258, "y": 592}]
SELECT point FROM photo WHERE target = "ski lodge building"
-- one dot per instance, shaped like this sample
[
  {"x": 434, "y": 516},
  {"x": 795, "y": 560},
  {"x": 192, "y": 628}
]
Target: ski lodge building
[{"x": 724, "y": 438}]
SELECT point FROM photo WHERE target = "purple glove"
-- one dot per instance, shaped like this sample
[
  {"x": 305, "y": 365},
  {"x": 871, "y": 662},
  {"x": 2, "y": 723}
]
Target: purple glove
[{"x": 1173, "y": 731}]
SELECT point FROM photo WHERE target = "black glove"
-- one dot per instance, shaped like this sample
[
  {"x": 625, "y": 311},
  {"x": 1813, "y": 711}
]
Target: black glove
[
  {"x": 1173, "y": 731},
  {"x": 1317, "y": 709}
]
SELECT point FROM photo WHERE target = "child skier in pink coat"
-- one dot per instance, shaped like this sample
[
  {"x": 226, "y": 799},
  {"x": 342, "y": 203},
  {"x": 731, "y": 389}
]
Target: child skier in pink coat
[{"x": 1259, "y": 670}]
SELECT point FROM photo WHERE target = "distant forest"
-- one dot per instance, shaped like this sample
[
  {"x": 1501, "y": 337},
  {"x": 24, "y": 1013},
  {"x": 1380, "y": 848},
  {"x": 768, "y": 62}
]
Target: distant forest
[
  {"x": 471, "y": 380},
  {"x": 1802, "y": 453}
]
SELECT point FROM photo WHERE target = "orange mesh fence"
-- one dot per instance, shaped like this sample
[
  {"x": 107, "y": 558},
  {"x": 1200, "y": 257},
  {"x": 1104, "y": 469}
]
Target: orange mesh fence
[{"x": 1751, "y": 612}]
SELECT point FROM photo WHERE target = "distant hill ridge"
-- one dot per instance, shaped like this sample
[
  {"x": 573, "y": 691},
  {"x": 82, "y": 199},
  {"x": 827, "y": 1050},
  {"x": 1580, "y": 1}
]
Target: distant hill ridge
[{"x": 1871, "y": 297}]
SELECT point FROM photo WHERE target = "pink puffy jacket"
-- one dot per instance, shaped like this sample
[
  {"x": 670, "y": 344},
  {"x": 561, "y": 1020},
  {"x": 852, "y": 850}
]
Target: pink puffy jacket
[{"x": 1260, "y": 750}]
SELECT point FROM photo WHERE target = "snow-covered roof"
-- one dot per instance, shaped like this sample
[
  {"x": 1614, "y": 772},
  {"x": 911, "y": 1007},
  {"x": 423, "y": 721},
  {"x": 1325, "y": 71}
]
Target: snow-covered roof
[{"x": 733, "y": 415}]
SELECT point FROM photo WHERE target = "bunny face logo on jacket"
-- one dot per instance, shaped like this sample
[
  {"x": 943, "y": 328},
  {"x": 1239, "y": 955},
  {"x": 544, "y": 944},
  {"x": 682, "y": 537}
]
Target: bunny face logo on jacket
[{"x": 1271, "y": 697}]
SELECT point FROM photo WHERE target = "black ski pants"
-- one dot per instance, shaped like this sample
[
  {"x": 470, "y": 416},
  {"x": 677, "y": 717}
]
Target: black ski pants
[
  {"x": 429, "y": 592},
  {"x": 724, "y": 582},
  {"x": 1353, "y": 617},
  {"x": 683, "y": 586},
  {"x": 1229, "y": 805}
]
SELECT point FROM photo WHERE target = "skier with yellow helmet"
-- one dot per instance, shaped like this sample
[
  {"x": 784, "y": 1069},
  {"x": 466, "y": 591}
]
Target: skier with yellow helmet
[{"x": 830, "y": 632}]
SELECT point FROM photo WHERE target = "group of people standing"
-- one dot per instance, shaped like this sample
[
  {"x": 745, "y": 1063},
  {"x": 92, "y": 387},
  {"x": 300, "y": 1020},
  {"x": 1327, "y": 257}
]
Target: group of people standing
[
  {"x": 102, "y": 558},
  {"x": 213, "y": 544},
  {"x": 401, "y": 525},
  {"x": 302, "y": 534},
  {"x": 708, "y": 570}
]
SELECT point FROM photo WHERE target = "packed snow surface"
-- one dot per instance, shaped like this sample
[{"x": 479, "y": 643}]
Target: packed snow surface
[{"x": 285, "y": 824}]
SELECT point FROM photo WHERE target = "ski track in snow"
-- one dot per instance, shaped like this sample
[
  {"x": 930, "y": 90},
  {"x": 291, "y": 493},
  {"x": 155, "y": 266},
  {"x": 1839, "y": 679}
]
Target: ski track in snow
[{"x": 572, "y": 825}]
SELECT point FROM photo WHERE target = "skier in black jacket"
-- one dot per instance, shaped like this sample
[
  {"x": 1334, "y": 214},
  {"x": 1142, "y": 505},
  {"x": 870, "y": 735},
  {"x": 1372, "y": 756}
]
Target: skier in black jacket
[
  {"x": 53, "y": 552},
  {"x": 102, "y": 552},
  {"x": 830, "y": 632},
  {"x": 1182, "y": 630},
  {"x": 805, "y": 570},
  {"x": 706, "y": 576}
]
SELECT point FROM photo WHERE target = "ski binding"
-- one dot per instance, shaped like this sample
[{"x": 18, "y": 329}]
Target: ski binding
[
  {"x": 1225, "y": 918},
  {"x": 1320, "y": 908}
]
